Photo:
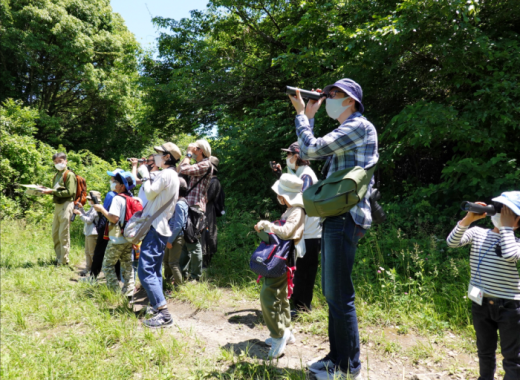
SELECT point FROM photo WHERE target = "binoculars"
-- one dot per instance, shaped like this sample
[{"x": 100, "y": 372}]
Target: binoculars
[
  {"x": 306, "y": 94},
  {"x": 490, "y": 210},
  {"x": 139, "y": 160}
]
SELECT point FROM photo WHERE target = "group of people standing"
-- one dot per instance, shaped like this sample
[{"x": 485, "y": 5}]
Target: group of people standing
[
  {"x": 495, "y": 284},
  {"x": 170, "y": 186}
]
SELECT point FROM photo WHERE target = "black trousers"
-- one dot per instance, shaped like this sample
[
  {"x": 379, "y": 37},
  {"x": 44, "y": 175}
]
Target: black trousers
[
  {"x": 305, "y": 275},
  {"x": 99, "y": 255},
  {"x": 497, "y": 315}
]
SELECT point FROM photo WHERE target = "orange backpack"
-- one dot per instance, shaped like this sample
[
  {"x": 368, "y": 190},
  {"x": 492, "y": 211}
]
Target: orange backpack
[{"x": 81, "y": 188}]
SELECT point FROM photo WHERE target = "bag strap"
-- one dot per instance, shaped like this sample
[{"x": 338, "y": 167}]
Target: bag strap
[
  {"x": 200, "y": 180},
  {"x": 124, "y": 215}
]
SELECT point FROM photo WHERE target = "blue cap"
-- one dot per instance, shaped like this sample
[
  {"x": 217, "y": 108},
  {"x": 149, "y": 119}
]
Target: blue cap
[
  {"x": 124, "y": 176},
  {"x": 351, "y": 88},
  {"x": 113, "y": 174},
  {"x": 511, "y": 199}
]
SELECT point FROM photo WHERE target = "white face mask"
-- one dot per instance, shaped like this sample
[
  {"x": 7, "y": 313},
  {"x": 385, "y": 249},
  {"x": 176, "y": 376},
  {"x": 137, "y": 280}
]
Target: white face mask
[
  {"x": 158, "y": 159},
  {"x": 61, "y": 166},
  {"x": 290, "y": 164},
  {"x": 335, "y": 108},
  {"x": 495, "y": 219},
  {"x": 113, "y": 186}
]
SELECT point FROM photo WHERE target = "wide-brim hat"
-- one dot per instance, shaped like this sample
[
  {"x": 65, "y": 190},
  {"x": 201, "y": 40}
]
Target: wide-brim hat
[
  {"x": 293, "y": 148},
  {"x": 351, "y": 88},
  {"x": 97, "y": 194},
  {"x": 511, "y": 199},
  {"x": 290, "y": 187},
  {"x": 124, "y": 176},
  {"x": 171, "y": 148}
]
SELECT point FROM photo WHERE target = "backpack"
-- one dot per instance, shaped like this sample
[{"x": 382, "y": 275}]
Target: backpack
[
  {"x": 219, "y": 203},
  {"x": 81, "y": 188},
  {"x": 131, "y": 207},
  {"x": 194, "y": 225}
]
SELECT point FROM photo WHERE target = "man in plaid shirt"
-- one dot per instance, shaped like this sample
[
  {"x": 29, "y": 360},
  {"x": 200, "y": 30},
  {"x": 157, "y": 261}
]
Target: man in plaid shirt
[
  {"x": 199, "y": 177},
  {"x": 353, "y": 143}
]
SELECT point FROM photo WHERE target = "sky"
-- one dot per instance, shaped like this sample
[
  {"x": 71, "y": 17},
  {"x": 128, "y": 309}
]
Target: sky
[{"x": 138, "y": 15}]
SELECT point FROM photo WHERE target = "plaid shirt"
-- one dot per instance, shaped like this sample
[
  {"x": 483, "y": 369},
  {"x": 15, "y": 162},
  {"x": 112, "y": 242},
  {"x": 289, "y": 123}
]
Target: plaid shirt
[
  {"x": 199, "y": 195},
  {"x": 354, "y": 143}
]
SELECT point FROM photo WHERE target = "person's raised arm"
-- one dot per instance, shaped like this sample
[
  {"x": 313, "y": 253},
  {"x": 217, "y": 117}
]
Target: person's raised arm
[
  {"x": 510, "y": 247},
  {"x": 460, "y": 235},
  {"x": 134, "y": 162}
]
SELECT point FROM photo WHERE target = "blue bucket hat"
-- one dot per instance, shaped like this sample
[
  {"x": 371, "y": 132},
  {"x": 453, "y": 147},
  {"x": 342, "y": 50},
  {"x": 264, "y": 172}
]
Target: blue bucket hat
[
  {"x": 351, "y": 88},
  {"x": 113, "y": 174},
  {"x": 511, "y": 199}
]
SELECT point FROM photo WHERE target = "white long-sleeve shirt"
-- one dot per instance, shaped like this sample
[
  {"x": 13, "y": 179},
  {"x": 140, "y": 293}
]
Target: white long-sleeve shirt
[
  {"x": 496, "y": 275},
  {"x": 165, "y": 185}
]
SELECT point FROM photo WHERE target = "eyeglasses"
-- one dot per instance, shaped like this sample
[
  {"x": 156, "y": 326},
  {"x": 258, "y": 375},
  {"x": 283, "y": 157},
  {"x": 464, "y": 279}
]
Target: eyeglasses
[{"x": 332, "y": 94}]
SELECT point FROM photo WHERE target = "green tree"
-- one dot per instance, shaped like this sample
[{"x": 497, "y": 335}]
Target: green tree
[{"x": 76, "y": 63}]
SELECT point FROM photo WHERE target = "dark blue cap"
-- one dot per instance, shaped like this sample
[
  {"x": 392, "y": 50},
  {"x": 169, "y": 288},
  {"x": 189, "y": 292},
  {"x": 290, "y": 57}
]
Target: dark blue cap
[
  {"x": 123, "y": 177},
  {"x": 351, "y": 88}
]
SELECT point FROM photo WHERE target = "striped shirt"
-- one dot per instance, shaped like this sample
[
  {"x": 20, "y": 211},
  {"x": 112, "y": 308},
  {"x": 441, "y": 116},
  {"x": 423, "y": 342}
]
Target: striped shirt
[
  {"x": 497, "y": 276},
  {"x": 353, "y": 143}
]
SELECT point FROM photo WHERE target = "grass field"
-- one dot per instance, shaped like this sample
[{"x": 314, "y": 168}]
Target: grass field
[{"x": 54, "y": 327}]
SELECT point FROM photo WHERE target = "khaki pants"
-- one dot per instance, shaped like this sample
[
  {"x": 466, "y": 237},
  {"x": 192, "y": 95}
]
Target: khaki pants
[
  {"x": 90, "y": 246},
  {"x": 123, "y": 253},
  {"x": 172, "y": 256},
  {"x": 61, "y": 231},
  {"x": 275, "y": 305}
]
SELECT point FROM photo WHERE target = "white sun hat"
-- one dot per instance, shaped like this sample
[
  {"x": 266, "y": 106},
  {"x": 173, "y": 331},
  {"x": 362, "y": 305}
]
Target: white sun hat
[
  {"x": 290, "y": 187},
  {"x": 511, "y": 199}
]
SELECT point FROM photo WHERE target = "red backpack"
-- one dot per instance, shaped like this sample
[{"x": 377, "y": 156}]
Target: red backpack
[{"x": 132, "y": 206}]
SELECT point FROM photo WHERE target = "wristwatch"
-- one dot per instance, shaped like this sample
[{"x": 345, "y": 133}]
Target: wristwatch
[{"x": 189, "y": 155}]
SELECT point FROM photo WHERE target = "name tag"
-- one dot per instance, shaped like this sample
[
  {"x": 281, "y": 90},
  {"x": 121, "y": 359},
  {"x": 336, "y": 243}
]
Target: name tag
[{"x": 475, "y": 294}]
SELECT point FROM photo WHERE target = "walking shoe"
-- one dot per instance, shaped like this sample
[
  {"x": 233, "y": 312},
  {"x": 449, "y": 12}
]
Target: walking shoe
[
  {"x": 278, "y": 345},
  {"x": 151, "y": 311},
  {"x": 158, "y": 322},
  {"x": 291, "y": 340},
  {"x": 337, "y": 374},
  {"x": 320, "y": 364}
]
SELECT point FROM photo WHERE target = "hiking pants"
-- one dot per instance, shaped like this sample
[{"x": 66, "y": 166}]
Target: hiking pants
[
  {"x": 191, "y": 260},
  {"x": 90, "y": 247},
  {"x": 61, "y": 231},
  {"x": 497, "y": 315},
  {"x": 171, "y": 260},
  {"x": 123, "y": 253},
  {"x": 305, "y": 275},
  {"x": 275, "y": 305}
]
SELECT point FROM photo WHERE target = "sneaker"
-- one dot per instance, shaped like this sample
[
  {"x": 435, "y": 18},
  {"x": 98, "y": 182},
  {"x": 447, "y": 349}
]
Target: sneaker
[
  {"x": 320, "y": 364},
  {"x": 278, "y": 345},
  {"x": 88, "y": 280},
  {"x": 151, "y": 311},
  {"x": 337, "y": 374},
  {"x": 291, "y": 340},
  {"x": 158, "y": 322}
]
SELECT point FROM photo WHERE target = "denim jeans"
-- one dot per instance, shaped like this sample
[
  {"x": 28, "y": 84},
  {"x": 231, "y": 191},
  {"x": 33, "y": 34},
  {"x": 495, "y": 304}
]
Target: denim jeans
[
  {"x": 503, "y": 316},
  {"x": 150, "y": 263},
  {"x": 339, "y": 241}
]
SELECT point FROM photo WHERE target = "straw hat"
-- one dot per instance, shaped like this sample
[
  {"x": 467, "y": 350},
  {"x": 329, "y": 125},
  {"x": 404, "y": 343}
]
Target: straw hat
[{"x": 290, "y": 187}]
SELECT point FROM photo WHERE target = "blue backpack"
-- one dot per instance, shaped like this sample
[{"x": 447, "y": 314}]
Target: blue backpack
[{"x": 271, "y": 259}]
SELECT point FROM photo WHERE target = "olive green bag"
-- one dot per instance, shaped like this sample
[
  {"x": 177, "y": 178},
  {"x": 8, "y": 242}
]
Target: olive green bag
[{"x": 338, "y": 193}]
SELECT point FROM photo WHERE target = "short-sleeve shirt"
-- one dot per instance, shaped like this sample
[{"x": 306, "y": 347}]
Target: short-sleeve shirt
[{"x": 118, "y": 208}]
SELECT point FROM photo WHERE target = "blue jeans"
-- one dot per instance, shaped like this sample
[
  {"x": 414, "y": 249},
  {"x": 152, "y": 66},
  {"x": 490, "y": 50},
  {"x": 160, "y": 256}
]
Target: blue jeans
[
  {"x": 339, "y": 241},
  {"x": 495, "y": 316},
  {"x": 150, "y": 263}
]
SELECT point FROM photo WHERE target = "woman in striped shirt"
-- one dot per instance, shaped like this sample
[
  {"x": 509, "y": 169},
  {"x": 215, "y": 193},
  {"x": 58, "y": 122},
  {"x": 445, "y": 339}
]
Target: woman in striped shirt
[{"x": 495, "y": 284}]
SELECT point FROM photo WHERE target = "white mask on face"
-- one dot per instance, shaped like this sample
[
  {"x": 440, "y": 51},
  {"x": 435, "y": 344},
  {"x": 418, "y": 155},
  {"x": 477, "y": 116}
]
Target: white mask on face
[
  {"x": 61, "y": 166},
  {"x": 158, "y": 159},
  {"x": 113, "y": 186},
  {"x": 290, "y": 164},
  {"x": 495, "y": 219},
  {"x": 335, "y": 107}
]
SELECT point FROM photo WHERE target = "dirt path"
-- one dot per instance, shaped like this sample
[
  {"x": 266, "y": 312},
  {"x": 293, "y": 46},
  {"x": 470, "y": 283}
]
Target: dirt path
[{"x": 238, "y": 326}]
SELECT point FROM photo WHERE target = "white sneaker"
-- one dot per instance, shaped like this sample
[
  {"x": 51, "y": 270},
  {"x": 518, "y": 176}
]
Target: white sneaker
[
  {"x": 318, "y": 365},
  {"x": 278, "y": 345},
  {"x": 291, "y": 340},
  {"x": 337, "y": 374}
]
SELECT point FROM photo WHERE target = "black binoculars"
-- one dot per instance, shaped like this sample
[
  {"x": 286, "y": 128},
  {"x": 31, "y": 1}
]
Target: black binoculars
[
  {"x": 490, "y": 210},
  {"x": 139, "y": 160},
  {"x": 306, "y": 94}
]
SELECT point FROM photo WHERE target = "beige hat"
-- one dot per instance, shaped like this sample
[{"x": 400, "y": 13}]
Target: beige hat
[
  {"x": 171, "y": 148},
  {"x": 290, "y": 187},
  {"x": 97, "y": 194},
  {"x": 204, "y": 146}
]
